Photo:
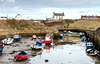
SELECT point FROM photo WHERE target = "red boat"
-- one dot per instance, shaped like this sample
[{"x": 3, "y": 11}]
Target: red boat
[
  {"x": 47, "y": 41},
  {"x": 21, "y": 56}
]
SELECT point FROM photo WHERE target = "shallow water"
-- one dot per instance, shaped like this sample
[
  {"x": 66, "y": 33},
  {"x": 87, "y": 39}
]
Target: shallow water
[
  {"x": 64, "y": 54},
  {"x": 59, "y": 54}
]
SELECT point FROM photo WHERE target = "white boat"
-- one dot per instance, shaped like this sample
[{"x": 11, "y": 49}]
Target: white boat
[
  {"x": 8, "y": 41},
  {"x": 91, "y": 51},
  {"x": 74, "y": 34},
  {"x": 34, "y": 37}
]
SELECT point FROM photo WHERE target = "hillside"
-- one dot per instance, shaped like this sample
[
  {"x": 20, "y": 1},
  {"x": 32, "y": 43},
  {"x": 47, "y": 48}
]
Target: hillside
[
  {"x": 20, "y": 26},
  {"x": 55, "y": 23},
  {"x": 86, "y": 24},
  {"x": 27, "y": 26}
]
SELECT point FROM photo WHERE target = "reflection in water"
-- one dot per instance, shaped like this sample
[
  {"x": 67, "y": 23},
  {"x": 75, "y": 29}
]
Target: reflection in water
[{"x": 65, "y": 54}]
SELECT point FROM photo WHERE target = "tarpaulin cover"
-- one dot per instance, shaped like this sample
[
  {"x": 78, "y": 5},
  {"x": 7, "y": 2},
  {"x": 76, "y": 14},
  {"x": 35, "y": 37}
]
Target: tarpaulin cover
[{"x": 83, "y": 38}]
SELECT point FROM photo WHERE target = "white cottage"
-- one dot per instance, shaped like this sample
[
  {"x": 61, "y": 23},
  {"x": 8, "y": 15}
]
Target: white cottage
[{"x": 18, "y": 17}]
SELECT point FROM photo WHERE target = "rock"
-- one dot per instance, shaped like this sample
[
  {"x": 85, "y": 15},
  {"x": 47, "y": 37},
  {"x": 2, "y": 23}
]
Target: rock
[
  {"x": 28, "y": 45},
  {"x": 46, "y": 60},
  {"x": 12, "y": 52},
  {"x": 7, "y": 47},
  {"x": 25, "y": 42},
  {"x": 70, "y": 53},
  {"x": 8, "y": 58}
]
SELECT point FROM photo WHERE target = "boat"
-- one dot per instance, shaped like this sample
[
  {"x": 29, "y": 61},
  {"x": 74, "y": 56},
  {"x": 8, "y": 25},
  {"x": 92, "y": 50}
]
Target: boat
[
  {"x": 34, "y": 36},
  {"x": 83, "y": 38},
  {"x": 1, "y": 46},
  {"x": 82, "y": 34},
  {"x": 64, "y": 32},
  {"x": 17, "y": 37},
  {"x": 89, "y": 45},
  {"x": 70, "y": 32},
  {"x": 8, "y": 41},
  {"x": 37, "y": 46},
  {"x": 21, "y": 56},
  {"x": 74, "y": 34},
  {"x": 91, "y": 51},
  {"x": 47, "y": 40}
]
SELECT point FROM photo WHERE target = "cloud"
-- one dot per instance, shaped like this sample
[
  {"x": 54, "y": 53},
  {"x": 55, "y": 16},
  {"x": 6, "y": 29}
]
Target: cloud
[
  {"x": 7, "y": 0},
  {"x": 11, "y": 0},
  {"x": 1, "y": 0},
  {"x": 61, "y": 3},
  {"x": 38, "y": 9},
  {"x": 16, "y": 7}
]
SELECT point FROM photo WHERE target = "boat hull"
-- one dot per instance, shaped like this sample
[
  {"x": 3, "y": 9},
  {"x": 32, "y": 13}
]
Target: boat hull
[
  {"x": 36, "y": 47},
  {"x": 47, "y": 41},
  {"x": 1, "y": 49},
  {"x": 5, "y": 41},
  {"x": 17, "y": 57},
  {"x": 91, "y": 52},
  {"x": 17, "y": 38}
]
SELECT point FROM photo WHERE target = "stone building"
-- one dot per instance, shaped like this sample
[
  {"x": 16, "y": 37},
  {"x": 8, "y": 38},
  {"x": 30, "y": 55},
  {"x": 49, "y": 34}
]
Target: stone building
[
  {"x": 4, "y": 17},
  {"x": 90, "y": 17}
]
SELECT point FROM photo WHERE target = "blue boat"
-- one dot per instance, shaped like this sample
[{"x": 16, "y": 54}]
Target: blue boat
[
  {"x": 89, "y": 45},
  {"x": 1, "y": 46},
  {"x": 83, "y": 38},
  {"x": 17, "y": 37},
  {"x": 64, "y": 31},
  {"x": 37, "y": 46}
]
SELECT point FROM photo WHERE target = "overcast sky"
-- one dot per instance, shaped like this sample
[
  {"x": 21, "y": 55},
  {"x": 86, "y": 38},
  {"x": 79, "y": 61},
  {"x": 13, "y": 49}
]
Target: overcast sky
[{"x": 40, "y": 9}]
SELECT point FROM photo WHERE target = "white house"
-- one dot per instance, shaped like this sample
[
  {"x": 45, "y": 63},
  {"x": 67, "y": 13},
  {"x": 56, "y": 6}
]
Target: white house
[{"x": 18, "y": 17}]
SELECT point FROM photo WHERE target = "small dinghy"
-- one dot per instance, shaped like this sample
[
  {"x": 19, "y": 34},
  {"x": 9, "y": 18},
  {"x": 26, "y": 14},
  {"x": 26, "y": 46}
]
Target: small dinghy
[
  {"x": 91, "y": 51},
  {"x": 17, "y": 37},
  {"x": 89, "y": 45},
  {"x": 37, "y": 46},
  {"x": 47, "y": 40},
  {"x": 8, "y": 41},
  {"x": 21, "y": 56},
  {"x": 1, "y": 46},
  {"x": 34, "y": 36},
  {"x": 83, "y": 38}
]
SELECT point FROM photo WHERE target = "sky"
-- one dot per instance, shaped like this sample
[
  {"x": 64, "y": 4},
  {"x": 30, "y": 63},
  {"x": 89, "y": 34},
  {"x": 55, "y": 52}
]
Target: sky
[{"x": 40, "y": 9}]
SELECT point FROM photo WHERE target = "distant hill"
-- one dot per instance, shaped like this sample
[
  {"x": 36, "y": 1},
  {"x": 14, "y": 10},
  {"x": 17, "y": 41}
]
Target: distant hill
[{"x": 86, "y": 24}]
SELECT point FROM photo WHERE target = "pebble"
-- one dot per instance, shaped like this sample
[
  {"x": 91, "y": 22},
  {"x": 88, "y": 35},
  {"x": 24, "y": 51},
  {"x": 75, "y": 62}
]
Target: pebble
[{"x": 46, "y": 60}]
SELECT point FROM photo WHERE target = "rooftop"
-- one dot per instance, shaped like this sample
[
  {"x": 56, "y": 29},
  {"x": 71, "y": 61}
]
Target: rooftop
[{"x": 58, "y": 14}]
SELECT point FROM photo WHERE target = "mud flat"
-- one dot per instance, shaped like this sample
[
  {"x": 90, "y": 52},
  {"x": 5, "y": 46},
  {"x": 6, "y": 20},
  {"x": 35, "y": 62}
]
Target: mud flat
[{"x": 63, "y": 53}]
